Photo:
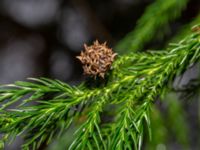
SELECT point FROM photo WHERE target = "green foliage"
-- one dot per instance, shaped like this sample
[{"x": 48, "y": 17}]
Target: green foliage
[
  {"x": 156, "y": 18},
  {"x": 134, "y": 82},
  {"x": 43, "y": 110}
]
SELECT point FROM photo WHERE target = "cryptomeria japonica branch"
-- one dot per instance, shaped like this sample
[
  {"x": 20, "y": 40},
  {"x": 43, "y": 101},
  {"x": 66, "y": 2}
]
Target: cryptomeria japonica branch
[{"x": 134, "y": 80}]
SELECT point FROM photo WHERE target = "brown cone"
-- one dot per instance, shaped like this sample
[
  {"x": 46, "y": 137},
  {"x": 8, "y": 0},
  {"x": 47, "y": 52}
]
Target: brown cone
[{"x": 96, "y": 59}]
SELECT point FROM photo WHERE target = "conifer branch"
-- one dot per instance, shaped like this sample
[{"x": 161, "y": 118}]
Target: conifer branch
[
  {"x": 145, "y": 92},
  {"x": 135, "y": 80}
]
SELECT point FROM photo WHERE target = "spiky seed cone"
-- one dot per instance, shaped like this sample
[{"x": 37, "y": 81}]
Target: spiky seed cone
[{"x": 96, "y": 59}]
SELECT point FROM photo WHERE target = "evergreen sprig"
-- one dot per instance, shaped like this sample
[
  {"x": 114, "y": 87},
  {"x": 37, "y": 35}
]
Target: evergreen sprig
[
  {"x": 152, "y": 81},
  {"x": 155, "y": 19},
  {"x": 134, "y": 82}
]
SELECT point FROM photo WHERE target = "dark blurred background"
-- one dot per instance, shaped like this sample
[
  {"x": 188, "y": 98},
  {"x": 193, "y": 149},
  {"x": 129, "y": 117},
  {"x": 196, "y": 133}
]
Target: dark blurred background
[{"x": 42, "y": 37}]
